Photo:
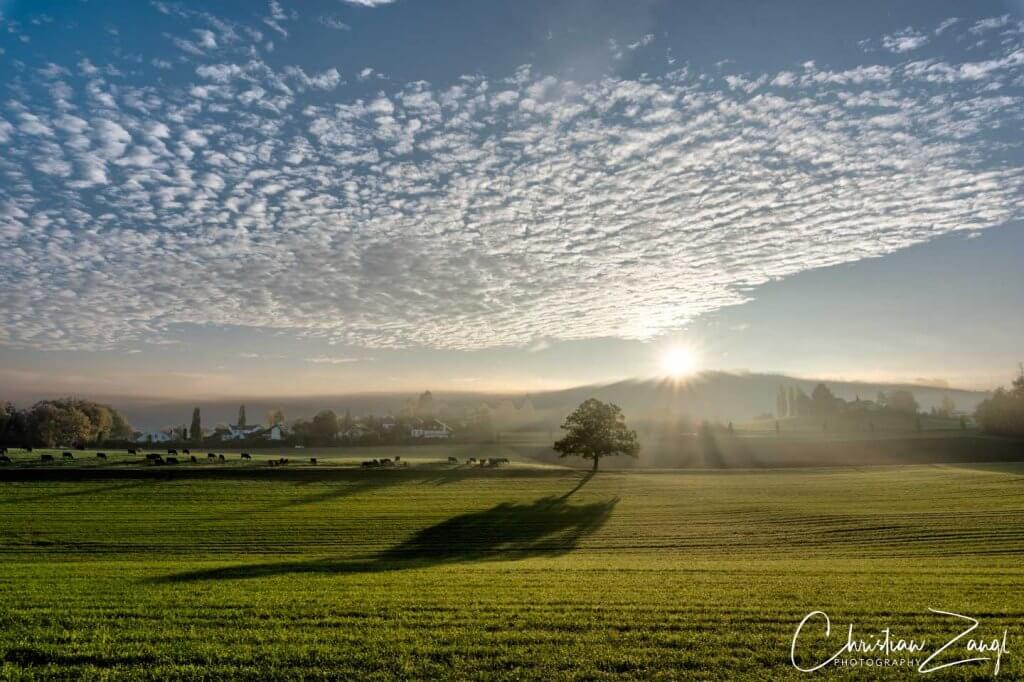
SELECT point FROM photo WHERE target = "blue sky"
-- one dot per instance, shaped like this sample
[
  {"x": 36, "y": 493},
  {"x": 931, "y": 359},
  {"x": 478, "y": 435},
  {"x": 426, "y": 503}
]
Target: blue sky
[{"x": 318, "y": 197}]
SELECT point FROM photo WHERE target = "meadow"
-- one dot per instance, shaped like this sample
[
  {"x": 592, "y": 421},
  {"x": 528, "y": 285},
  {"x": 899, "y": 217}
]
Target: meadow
[{"x": 522, "y": 572}]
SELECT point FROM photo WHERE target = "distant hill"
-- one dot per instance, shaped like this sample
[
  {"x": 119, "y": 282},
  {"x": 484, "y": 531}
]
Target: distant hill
[
  {"x": 728, "y": 396},
  {"x": 710, "y": 395}
]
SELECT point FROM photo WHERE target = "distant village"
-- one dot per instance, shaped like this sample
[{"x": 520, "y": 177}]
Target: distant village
[{"x": 421, "y": 419}]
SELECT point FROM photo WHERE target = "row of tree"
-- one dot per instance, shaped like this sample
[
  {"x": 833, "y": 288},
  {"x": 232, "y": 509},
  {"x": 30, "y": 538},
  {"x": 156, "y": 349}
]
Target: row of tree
[
  {"x": 794, "y": 402},
  {"x": 1003, "y": 413},
  {"x": 65, "y": 421}
]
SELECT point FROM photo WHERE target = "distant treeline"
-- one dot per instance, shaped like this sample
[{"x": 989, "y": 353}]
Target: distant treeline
[
  {"x": 1003, "y": 413},
  {"x": 794, "y": 402},
  {"x": 65, "y": 421}
]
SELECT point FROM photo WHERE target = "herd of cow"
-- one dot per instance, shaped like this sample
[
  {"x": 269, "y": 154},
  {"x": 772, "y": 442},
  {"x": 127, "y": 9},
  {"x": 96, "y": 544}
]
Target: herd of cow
[
  {"x": 488, "y": 462},
  {"x": 172, "y": 458},
  {"x": 154, "y": 458}
]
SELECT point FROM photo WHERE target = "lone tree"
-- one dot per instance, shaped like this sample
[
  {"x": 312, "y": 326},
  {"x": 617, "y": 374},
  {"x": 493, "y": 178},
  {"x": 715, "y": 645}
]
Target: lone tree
[{"x": 597, "y": 430}]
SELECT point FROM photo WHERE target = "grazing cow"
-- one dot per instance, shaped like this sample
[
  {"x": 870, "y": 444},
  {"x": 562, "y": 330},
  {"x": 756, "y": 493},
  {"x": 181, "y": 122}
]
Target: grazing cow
[
  {"x": 246, "y": 455},
  {"x": 159, "y": 461},
  {"x": 68, "y": 455},
  {"x": 46, "y": 458},
  {"x": 185, "y": 451},
  {"x": 211, "y": 455},
  {"x": 132, "y": 451},
  {"x": 4, "y": 459},
  {"x": 272, "y": 462},
  {"x": 101, "y": 455},
  {"x": 398, "y": 458},
  {"x": 453, "y": 460},
  {"x": 312, "y": 460},
  {"x": 172, "y": 460},
  {"x": 28, "y": 449},
  {"x": 192, "y": 458},
  {"x": 471, "y": 460},
  {"x": 369, "y": 464},
  {"x": 3, "y": 451},
  {"x": 171, "y": 451},
  {"x": 220, "y": 458}
]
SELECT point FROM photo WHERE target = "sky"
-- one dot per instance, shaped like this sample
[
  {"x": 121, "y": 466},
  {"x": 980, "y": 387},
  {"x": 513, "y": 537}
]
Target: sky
[{"x": 213, "y": 199}]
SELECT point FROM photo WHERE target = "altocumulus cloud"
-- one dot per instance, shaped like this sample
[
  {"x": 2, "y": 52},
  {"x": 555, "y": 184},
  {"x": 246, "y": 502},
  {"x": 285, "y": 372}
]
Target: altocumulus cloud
[{"x": 477, "y": 213}]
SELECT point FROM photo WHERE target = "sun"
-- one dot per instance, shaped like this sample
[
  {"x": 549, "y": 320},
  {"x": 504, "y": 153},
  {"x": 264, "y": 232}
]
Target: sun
[{"x": 679, "y": 361}]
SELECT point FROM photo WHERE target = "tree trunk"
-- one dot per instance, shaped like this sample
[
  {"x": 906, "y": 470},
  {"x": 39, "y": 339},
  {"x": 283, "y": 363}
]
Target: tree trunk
[{"x": 595, "y": 463}]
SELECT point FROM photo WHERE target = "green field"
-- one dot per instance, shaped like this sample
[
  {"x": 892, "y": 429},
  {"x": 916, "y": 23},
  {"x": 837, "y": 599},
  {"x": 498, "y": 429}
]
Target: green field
[{"x": 523, "y": 572}]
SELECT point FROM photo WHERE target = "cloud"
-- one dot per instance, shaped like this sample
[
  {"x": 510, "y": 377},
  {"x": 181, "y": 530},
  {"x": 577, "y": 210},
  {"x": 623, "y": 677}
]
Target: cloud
[
  {"x": 368, "y": 3},
  {"x": 904, "y": 41},
  {"x": 477, "y": 213},
  {"x": 945, "y": 24},
  {"x": 326, "y": 360},
  {"x": 334, "y": 23},
  {"x": 989, "y": 24},
  {"x": 644, "y": 41}
]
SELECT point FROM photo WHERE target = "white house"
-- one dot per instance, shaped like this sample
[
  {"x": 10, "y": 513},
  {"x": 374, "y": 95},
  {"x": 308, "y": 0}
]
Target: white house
[
  {"x": 153, "y": 437},
  {"x": 236, "y": 432},
  {"x": 431, "y": 429}
]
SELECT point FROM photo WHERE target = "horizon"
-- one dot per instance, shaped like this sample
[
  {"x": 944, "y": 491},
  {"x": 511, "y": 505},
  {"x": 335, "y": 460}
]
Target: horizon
[
  {"x": 512, "y": 392},
  {"x": 148, "y": 413}
]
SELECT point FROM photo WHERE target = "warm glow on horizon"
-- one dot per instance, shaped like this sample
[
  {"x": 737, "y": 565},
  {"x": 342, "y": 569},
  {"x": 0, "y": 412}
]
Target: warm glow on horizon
[{"x": 679, "y": 361}]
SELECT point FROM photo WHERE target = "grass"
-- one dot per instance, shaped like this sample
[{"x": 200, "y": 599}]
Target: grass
[
  {"x": 433, "y": 453},
  {"x": 516, "y": 573}
]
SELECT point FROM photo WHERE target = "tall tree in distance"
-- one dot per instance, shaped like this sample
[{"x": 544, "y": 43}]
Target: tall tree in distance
[
  {"x": 1003, "y": 413},
  {"x": 325, "y": 426},
  {"x": 196, "y": 431},
  {"x": 597, "y": 430},
  {"x": 902, "y": 400},
  {"x": 425, "y": 405},
  {"x": 241, "y": 415},
  {"x": 822, "y": 401}
]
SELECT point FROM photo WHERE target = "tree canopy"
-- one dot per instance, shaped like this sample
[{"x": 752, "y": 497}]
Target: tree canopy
[
  {"x": 1004, "y": 412},
  {"x": 197, "y": 426},
  {"x": 595, "y": 430},
  {"x": 65, "y": 421}
]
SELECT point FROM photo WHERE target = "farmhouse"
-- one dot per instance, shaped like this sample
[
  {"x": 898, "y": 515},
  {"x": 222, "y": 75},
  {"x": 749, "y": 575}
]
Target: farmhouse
[
  {"x": 153, "y": 437},
  {"x": 238, "y": 432},
  {"x": 431, "y": 429},
  {"x": 252, "y": 431}
]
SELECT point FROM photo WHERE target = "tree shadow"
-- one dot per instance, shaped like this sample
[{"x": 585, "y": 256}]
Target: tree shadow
[
  {"x": 350, "y": 488},
  {"x": 547, "y": 527},
  {"x": 86, "y": 492},
  {"x": 584, "y": 479}
]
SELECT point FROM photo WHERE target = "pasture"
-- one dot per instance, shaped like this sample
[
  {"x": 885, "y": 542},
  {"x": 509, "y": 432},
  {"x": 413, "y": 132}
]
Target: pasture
[{"x": 522, "y": 572}]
